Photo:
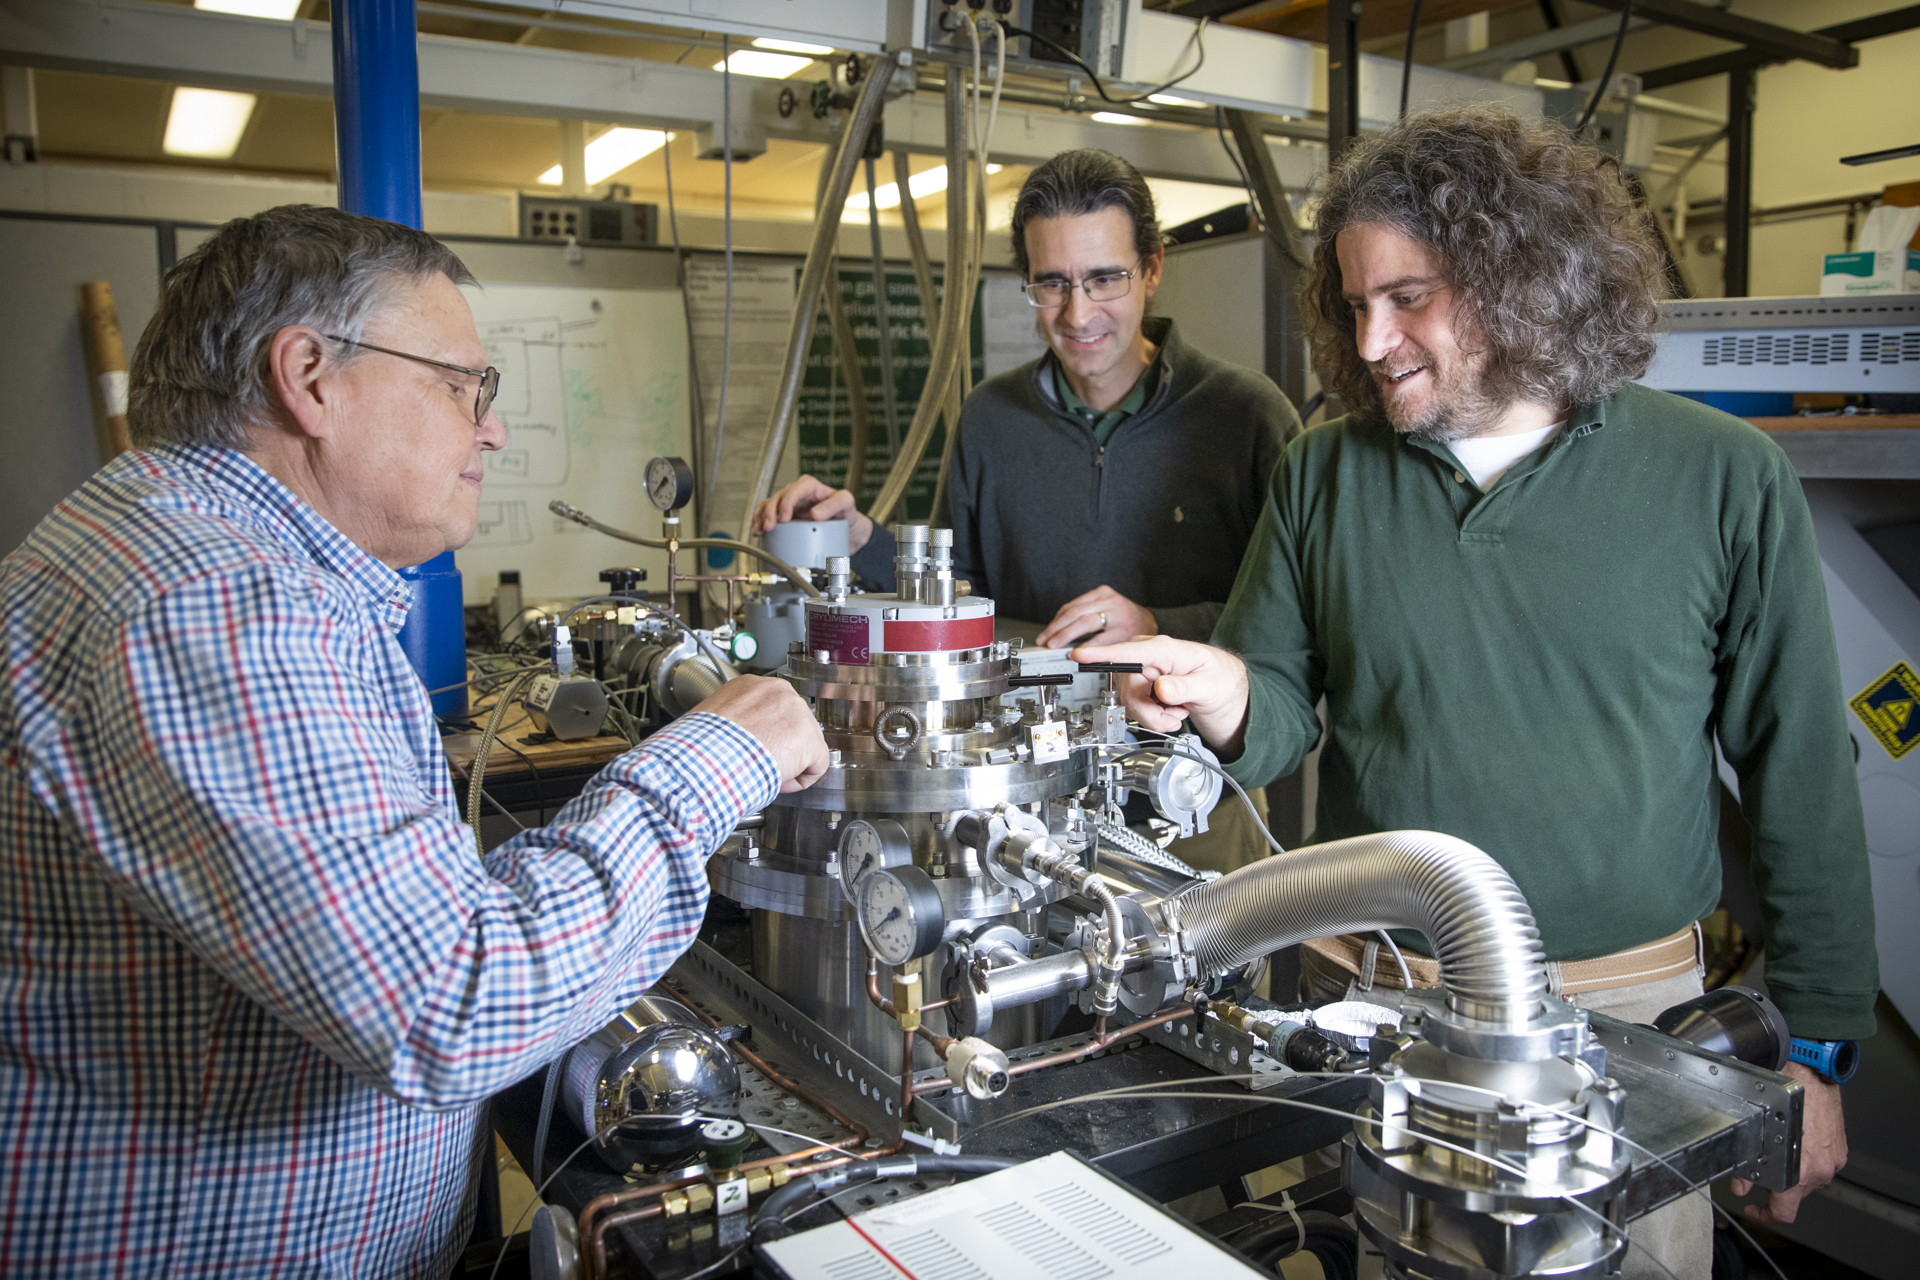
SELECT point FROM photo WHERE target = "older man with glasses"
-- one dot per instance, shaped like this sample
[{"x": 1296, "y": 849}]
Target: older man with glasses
[
  {"x": 1113, "y": 485},
  {"x": 257, "y": 983}
]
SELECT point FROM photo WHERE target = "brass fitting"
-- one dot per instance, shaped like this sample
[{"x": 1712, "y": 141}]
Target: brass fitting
[
  {"x": 674, "y": 1204},
  {"x": 906, "y": 1000},
  {"x": 699, "y": 1198}
]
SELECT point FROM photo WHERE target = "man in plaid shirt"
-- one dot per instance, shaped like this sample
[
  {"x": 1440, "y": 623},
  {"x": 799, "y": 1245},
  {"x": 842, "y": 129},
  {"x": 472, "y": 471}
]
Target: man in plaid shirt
[{"x": 254, "y": 981}]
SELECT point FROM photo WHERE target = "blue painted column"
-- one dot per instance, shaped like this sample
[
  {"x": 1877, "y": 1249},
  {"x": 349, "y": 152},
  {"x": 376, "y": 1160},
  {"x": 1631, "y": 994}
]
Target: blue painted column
[{"x": 376, "y": 124}]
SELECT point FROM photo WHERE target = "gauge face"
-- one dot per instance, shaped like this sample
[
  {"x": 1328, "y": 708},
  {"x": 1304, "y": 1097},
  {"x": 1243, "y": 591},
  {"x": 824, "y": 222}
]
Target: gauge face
[
  {"x": 669, "y": 483},
  {"x": 745, "y": 646},
  {"x": 900, "y": 914},
  {"x": 866, "y": 846}
]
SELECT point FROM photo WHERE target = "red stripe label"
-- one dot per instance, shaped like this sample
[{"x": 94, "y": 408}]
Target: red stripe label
[{"x": 947, "y": 634}]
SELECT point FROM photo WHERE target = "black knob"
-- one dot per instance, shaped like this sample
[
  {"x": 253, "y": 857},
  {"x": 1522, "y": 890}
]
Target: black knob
[{"x": 623, "y": 582}]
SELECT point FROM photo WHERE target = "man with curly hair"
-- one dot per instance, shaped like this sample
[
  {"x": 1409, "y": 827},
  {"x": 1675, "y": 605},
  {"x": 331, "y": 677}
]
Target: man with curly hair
[{"x": 1533, "y": 595}]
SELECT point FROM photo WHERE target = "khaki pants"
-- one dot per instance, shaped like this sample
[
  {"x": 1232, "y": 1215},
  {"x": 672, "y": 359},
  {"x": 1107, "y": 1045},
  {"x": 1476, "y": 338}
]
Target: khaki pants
[
  {"x": 1232, "y": 839},
  {"x": 1678, "y": 1235}
]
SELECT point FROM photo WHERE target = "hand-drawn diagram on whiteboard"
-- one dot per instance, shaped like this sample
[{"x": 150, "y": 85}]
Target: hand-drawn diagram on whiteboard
[
  {"x": 593, "y": 383},
  {"x": 528, "y": 354}
]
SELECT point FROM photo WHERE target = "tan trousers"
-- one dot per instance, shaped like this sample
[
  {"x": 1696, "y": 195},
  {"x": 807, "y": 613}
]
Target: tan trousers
[{"x": 1232, "y": 839}]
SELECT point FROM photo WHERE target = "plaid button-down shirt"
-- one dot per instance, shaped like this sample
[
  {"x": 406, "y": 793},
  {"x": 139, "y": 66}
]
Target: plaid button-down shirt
[{"x": 254, "y": 980}]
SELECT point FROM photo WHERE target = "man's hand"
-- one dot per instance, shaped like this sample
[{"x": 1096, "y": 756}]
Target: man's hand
[
  {"x": 769, "y": 709},
  {"x": 1823, "y": 1149},
  {"x": 1182, "y": 680},
  {"x": 1103, "y": 615},
  {"x": 811, "y": 499}
]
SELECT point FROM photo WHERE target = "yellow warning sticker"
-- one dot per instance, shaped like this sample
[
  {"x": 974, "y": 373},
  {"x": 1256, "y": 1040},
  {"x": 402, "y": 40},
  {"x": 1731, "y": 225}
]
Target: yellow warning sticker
[{"x": 1890, "y": 708}]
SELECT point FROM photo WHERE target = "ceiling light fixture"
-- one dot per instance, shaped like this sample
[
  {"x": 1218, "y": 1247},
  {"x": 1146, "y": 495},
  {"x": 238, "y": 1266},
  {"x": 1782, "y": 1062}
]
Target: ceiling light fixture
[
  {"x": 793, "y": 46},
  {"x": 926, "y": 183},
  {"x": 282, "y": 10},
  {"x": 1114, "y": 117},
  {"x": 206, "y": 123},
  {"x": 770, "y": 66},
  {"x": 1174, "y": 100},
  {"x": 611, "y": 152}
]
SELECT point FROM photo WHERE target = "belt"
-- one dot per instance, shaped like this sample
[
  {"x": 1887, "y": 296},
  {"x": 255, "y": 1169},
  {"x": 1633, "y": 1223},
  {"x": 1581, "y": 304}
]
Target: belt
[{"x": 1669, "y": 957}]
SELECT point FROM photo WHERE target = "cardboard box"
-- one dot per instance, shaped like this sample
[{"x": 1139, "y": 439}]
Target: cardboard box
[{"x": 1853, "y": 275}]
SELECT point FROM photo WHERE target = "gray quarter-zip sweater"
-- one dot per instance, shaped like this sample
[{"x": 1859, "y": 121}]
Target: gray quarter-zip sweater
[{"x": 1041, "y": 512}]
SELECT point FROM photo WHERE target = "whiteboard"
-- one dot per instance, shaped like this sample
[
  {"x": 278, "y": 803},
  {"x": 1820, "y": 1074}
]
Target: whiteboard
[{"x": 593, "y": 383}]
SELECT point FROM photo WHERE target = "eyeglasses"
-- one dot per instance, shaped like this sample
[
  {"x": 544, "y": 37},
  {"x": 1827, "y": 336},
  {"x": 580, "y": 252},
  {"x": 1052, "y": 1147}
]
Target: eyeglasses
[
  {"x": 1104, "y": 287},
  {"x": 489, "y": 376}
]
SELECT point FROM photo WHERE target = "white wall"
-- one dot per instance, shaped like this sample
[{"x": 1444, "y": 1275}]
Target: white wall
[
  {"x": 187, "y": 195},
  {"x": 1807, "y": 117}
]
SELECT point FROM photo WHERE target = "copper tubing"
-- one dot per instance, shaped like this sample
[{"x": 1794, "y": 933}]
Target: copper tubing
[
  {"x": 593, "y": 1232},
  {"x": 885, "y": 1005},
  {"x": 906, "y": 1078},
  {"x": 594, "y": 1257},
  {"x": 1100, "y": 1041}
]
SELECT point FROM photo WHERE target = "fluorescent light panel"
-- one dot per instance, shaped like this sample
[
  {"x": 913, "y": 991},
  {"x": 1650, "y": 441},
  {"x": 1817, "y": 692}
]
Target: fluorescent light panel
[
  {"x": 611, "y": 152},
  {"x": 793, "y": 46},
  {"x": 283, "y": 10},
  {"x": 923, "y": 184},
  {"x": 206, "y": 123},
  {"x": 1174, "y": 100},
  {"x": 1115, "y": 117},
  {"x": 770, "y": 66}
]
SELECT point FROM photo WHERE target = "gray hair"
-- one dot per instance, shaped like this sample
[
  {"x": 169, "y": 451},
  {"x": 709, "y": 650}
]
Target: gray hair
[
  {"x": 200, "y": 374},
  {"x": 1557, "y": 269},
  {"x": 1075, "y": 183}
]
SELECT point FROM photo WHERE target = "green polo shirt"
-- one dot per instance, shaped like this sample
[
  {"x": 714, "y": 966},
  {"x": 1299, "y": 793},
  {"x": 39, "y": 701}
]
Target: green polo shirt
[
  {"x": 1543, "y": 670},
  {"x": 1103, "y": 425}
]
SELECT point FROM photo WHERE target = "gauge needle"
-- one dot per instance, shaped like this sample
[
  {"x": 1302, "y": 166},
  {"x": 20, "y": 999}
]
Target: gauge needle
[{"x": 891, "y": 917}]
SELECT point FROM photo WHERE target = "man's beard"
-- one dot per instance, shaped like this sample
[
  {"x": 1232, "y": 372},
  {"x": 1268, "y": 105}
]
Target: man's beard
[{"x": 1458, "y": 408}]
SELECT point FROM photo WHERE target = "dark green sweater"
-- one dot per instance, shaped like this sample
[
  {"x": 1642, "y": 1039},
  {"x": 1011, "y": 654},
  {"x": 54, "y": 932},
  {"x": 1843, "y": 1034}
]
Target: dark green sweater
[{"x": 1542, "y": 670}]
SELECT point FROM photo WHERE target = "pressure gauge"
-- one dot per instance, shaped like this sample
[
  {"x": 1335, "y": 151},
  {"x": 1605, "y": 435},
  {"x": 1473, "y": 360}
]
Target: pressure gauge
[
  {"x": 900, "y": 914},
  {"x": 745, "y": 646},
  {"x": 867, "y": 845},
  {"x": 669, "y": 483}
]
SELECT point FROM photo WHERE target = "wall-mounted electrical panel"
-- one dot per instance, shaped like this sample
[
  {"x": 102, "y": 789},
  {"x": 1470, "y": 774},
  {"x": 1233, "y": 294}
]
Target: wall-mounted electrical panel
[{"x": 590, "y": 222}]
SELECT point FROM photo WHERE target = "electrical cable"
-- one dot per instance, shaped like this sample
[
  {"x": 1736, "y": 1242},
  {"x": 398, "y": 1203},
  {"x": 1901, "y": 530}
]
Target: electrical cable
[
  {"x": 1606, "y": 77},
  {"x": 1332, "y": 1242},
  {"x": 726, "y": 321},
  {"x": 548, "y": 1092},
  {"x": 538, "y": 1191},
  {"x": 1406, "y": 64},
  {"x": 1196, "y": 42},
  {"x": 881, "y": 321},
  {"x": 1220, "y": 127}
]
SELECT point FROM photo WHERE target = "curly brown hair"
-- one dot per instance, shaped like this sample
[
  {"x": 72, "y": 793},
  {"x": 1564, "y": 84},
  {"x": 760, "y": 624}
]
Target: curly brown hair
[{"x": 1557, "y": 269}]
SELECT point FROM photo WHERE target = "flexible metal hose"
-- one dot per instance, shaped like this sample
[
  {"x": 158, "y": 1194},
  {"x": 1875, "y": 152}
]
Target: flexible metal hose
[
  {"x": 826, "y": 229},
  {"x": 1491, "y": 961},
  {"x": 1141, "y": 849}
]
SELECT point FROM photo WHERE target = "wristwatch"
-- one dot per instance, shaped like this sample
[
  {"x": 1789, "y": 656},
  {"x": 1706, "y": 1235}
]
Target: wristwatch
[{"x": 1834, "y": 1061}]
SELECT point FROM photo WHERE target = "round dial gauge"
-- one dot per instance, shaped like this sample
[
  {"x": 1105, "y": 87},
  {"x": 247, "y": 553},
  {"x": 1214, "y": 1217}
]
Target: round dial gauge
[
  {"x": 900, "y": 914},
  {"x": 669, "y": 483},
  {"x": 866, "y": 845}
]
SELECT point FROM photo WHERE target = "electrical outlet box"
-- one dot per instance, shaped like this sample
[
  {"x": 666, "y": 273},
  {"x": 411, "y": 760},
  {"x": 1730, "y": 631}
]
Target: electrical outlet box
[
  {"x": 1094, "y": 31},
  {"x": 591, "y": 222}
]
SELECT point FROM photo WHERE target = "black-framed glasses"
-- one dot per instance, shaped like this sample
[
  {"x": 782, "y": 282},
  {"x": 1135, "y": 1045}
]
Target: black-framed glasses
[
  {"x": 489, "y": 376},
  {"x": 1104, "y": 287}
]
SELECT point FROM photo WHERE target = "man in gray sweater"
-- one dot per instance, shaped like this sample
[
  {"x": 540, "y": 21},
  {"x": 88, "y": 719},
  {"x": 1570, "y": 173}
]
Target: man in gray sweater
[{"x": 1113, "y": 484}]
